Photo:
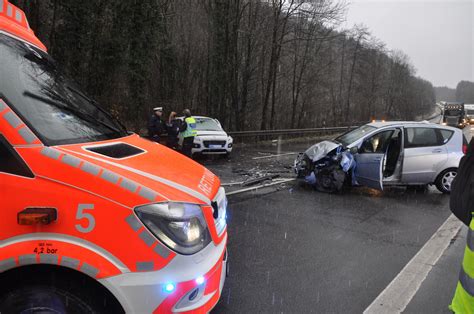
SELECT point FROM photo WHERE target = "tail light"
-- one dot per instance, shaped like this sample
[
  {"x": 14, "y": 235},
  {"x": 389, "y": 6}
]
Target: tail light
[{"x": 464, "y": 149}]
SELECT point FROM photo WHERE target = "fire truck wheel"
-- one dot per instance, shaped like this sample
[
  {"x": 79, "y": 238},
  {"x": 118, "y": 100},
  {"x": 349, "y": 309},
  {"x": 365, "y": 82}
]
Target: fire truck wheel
[
  {"x": 43, "y": 299},
  {"x": 53, "y": 290}
]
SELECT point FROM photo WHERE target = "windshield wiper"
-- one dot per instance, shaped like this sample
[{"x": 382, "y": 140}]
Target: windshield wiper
[{"x": 79, "y": 113}]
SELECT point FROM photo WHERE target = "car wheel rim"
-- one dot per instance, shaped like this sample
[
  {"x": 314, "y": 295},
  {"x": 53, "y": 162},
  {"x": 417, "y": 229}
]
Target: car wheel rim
[{"x": 448, "y": 180}]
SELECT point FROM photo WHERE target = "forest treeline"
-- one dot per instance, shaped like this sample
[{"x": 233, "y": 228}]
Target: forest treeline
[
  {"x": 464, "y": 92},
  {"x": 253, "y": 64}
]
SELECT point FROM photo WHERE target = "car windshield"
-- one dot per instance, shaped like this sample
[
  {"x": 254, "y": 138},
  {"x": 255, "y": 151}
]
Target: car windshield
[
  {"x": 207, "y": 124},
  {"x": 50, "y": 104},
  {"x": 352, "y": 136}
]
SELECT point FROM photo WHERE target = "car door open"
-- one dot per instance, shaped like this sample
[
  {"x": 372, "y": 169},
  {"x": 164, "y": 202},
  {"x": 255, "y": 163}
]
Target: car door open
[{"x": 370, "y": 159}]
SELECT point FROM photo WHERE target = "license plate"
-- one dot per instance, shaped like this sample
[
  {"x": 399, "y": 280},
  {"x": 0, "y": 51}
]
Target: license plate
[{"x": 215, "y": 146}]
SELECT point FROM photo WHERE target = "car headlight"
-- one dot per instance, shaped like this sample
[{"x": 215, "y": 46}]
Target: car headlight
[
  {"x": 230, "y": 139},
  {"x": 181, "y": 226}
]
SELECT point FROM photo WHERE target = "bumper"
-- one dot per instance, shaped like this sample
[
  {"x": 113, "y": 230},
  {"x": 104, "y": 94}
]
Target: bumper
[
  {"x": 212, "y": 151},
  {"x": 146, "y": 292}
]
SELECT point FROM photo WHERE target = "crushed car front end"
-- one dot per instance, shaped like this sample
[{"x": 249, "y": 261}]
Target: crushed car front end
[{"x": 325, "y": 165}]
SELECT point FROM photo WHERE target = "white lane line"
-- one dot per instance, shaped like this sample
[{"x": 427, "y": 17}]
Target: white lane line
[
  {"x": 272, "y": 156},
  {"x": 398, "y": 294},
  {"x": 232, "y": 183},
  {"x": 260, "y": 186}
]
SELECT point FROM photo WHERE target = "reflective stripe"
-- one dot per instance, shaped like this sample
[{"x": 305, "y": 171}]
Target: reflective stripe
[
  {"x": 133, "y": 222},
  {"x": 50, "y": 152},
  {"x": 90, "y": 270},
  {"x": 27, "y": 259},
  {"x": 90, "y": 168},
  {"x": 170, "y": 183},
  {"x": 470, "y": 240},
  {"x": 12, "y": 119},
  {"x": 9, "y": 10},
  {"x": 147, "y": 193},
  {"x": 110, "y": 176},
  {"x": 49, "y": 259},
  {"x": 69, "y": 262},
  {"x": 145, "y": 266},
  {"x": 39, "y": 236},
  {"x": 71, "y": 161},
  {"x": 129, "y": 185},
  {"x": 466, "y": 282},
  {"x": 27, "y": 135},
  {"x": 161, "y": 250},
  {"x": 3, "y": 106},
  {"x": 7, "y": 263},
  {"x": 18, "y": 16},
  {"x": 147, "y": 238}
]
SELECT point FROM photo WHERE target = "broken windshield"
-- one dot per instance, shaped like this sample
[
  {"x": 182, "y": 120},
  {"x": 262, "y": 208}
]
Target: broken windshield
[{"x": 352, "y": 136}]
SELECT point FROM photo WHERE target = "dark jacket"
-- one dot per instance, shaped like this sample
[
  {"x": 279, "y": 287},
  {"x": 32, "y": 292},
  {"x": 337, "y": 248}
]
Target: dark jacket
[
  {"x": 155, "y": 126},
  {"x": 173, "y": 127},
  {"x": 462, "y": 188}
]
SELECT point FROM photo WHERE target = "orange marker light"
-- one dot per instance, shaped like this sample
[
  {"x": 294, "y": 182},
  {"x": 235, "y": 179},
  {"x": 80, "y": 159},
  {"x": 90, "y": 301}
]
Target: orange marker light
[{"x": 37, "y": 216}]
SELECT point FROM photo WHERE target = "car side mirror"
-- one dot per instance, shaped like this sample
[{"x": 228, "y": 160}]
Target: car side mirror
[{"x": 354, "y": 150}]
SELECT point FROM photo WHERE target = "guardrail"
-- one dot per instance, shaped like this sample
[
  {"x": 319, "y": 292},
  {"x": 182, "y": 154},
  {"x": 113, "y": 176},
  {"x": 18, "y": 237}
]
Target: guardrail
[{"x": 237, "y": 134}]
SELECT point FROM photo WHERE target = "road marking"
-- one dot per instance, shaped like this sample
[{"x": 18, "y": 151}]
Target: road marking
[
  {"x": 260, "y": 186},
  {"x": 271, "y": 156},
  {"x": 232, "y": 183},
  {"x": 398, "y": 294}
]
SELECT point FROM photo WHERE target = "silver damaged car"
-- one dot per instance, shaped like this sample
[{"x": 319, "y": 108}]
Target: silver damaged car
[{"x": 384, "y": 154}]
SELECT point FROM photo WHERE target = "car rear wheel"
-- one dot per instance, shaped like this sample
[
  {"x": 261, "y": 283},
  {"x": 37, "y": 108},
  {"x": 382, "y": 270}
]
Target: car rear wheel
[{"x": 445, "y": 180}]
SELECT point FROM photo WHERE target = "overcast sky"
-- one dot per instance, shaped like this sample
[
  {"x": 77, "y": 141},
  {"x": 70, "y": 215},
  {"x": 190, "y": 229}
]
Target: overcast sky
[{"x": 437, "y": 35}]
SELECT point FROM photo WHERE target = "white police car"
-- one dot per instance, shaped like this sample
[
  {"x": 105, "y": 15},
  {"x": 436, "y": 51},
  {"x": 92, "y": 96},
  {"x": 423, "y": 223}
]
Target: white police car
[{"x": 210, "y": 137}]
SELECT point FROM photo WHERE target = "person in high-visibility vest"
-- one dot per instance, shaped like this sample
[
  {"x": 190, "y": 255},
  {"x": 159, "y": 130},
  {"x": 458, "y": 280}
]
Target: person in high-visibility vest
[
  {"x": 462, "y": 206},
  {"x": 188, "y": 129},
  {"x": 463, "y": 301}
]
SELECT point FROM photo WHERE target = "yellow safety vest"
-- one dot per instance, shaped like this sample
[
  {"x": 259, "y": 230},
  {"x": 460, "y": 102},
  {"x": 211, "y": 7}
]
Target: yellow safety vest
[
  {"x": 191, "y": 127},
  {"x": 463, "y": 301}
]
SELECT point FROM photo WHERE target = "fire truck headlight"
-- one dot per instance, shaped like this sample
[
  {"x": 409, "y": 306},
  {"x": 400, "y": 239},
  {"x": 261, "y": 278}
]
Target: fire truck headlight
[{"x": 180, "y": 226}]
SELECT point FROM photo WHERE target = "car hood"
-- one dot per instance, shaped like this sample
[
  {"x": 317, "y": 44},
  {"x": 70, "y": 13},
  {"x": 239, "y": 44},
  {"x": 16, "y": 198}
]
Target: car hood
[
  {"x": 320, "y": 150},
  {"x": 154, "y": 173},
  {"x": 211, "y": 133}
]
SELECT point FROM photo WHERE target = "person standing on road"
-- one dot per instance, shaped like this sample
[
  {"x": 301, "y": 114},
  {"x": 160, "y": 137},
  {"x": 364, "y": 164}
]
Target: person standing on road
[
  {"x": 173, "y": 127},
  {"x": 188, "y": 128},
  {"x": 156, "y": 125},
  {"x": 462, "y": 206}
]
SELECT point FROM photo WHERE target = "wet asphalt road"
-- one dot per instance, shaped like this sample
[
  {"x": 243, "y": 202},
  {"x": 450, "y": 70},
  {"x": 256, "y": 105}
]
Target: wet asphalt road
[{"x": 295, "y": 250}]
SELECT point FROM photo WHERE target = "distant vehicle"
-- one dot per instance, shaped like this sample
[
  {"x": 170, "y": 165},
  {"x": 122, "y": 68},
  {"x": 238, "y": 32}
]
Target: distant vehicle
[
  {"x": 469, "y": 109},
  {"x": 454, "y": 114},
  {"x": 211, "y": 137},
  {"x": 386, "y": 154}
]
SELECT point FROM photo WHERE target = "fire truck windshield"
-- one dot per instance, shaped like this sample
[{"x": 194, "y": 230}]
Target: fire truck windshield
[{"x": 47, "y": 101}]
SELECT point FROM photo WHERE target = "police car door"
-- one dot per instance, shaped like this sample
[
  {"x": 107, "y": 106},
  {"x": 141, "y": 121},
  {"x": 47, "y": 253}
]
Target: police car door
[{"x": 370, "y": 159}]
